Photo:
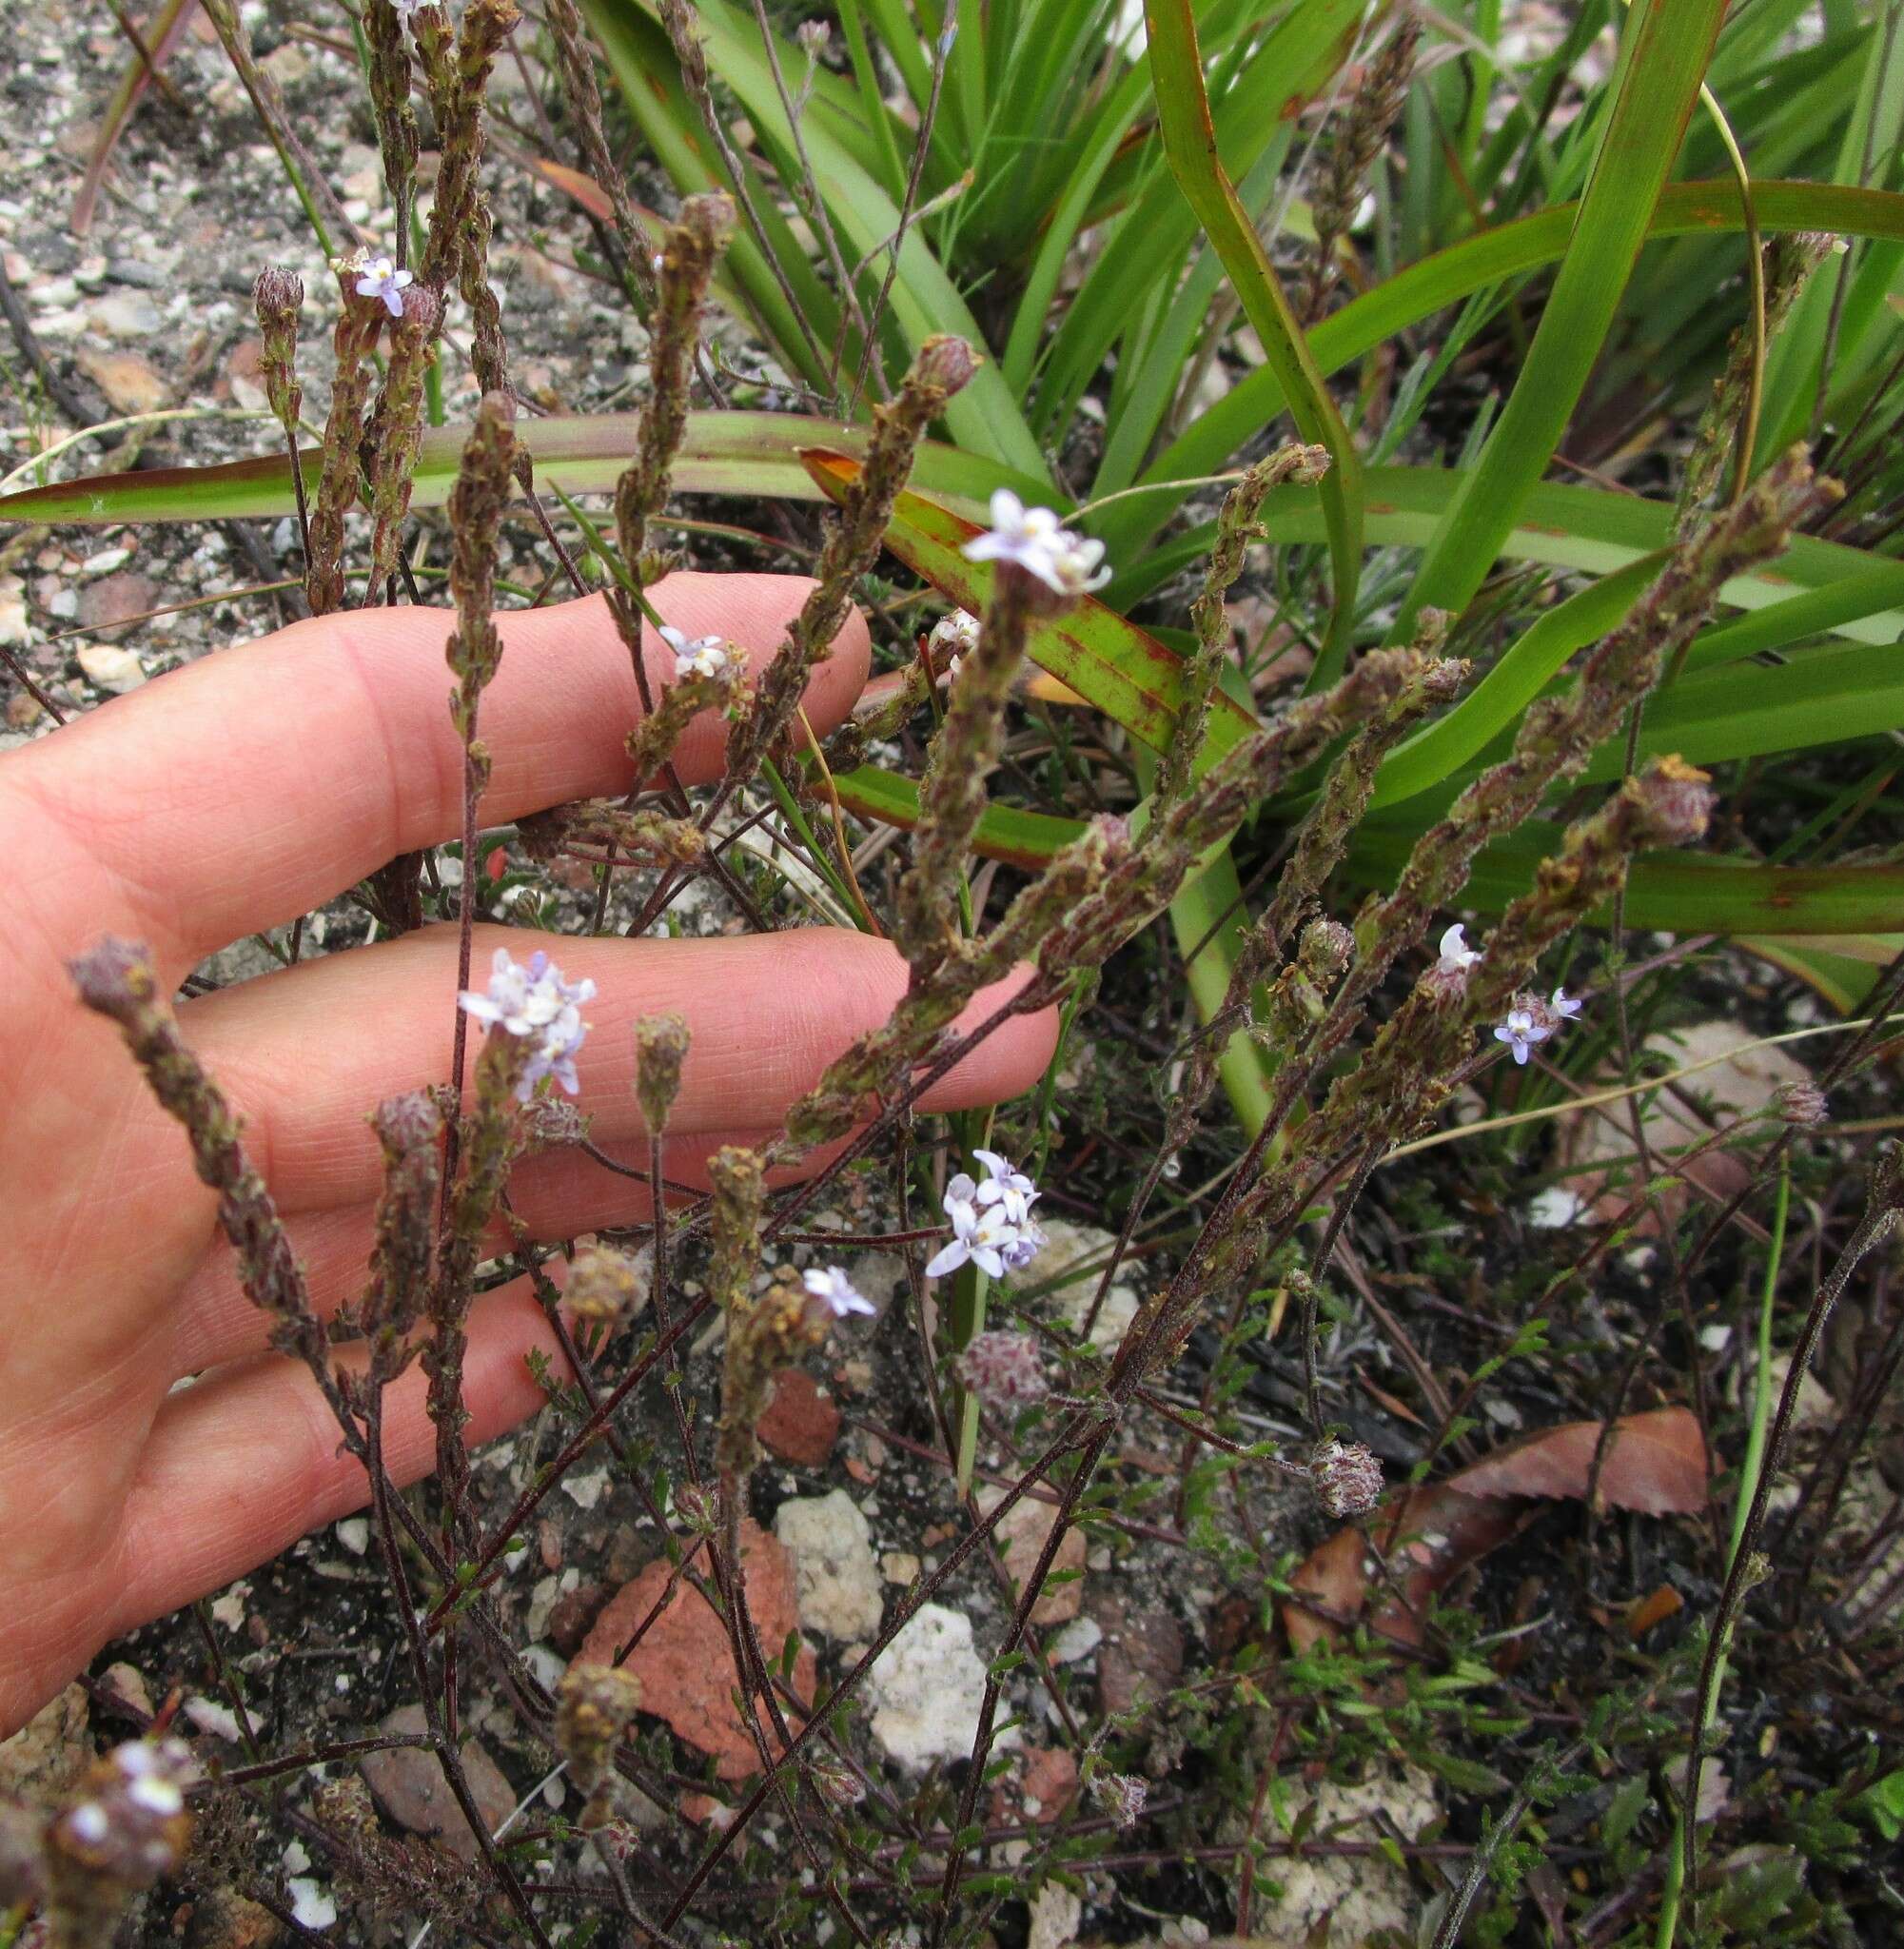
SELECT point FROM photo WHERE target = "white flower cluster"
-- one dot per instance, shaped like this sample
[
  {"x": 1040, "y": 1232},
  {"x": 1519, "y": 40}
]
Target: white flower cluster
[
  {"x": 992, "y": 1221},
  {"x": 536, "y": 1003},
  {"x": 377, "y": 276},
  {"x": 1034, "y": 538},
  {"x": 953, "y": 639},
  {"x": 698, "y": 655}
]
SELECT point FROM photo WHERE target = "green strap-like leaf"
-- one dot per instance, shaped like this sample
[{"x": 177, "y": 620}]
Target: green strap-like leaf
[
  {"x": 1189, "y": 142},
  {"x": 1663, "y": 59}
]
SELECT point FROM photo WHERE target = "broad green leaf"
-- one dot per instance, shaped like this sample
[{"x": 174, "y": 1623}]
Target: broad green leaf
[
  {"x": 1112, "y": 665},
  {"x": 1189, "y": 143}
]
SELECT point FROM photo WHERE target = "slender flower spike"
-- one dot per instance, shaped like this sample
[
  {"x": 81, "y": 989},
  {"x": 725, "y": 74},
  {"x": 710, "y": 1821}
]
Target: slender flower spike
[
  {"x": 1565, "y": 1007},
  {"x": 534, "y": 1002},
  {"x": 1006, "y": 1185},
  {"x": 1456, "y": 956},
  {"x": 831, "y": 1284},
  {"x": 698, "y": 655},
  {"x": 1031, "y": 539},
  {"x": 377, "y": 276},
  {"x": 1520, "y": 1032}
]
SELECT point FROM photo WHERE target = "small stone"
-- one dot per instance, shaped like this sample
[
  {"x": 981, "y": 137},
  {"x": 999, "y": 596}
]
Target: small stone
[
  {"x": 353, "y": 1533},
  {"x": 228, "y": 1609},
  {"x": 1055, "y": 1916},
  {"x": 226, "y": 1920},
  {"x": 1141, "y": 1656},
  {"x": 586, "y": 1491},
  {"x": 106, "y": 562},
  {"x": 311, "y": 1903},
  {"x": 801, "y": 1422},
  {"x": 834, "y": 1575},
  {"x": 685, "y": 1661},
  {"x": 126, "y": 1683},
  {"x": 115, "y": 599},
  {"x": 12, "y": 609},
  {"x": 1045, "y": 1785},
  {"x": 128, "y": 271},
  {"x": 49, "y": 1752},
  {"x": 1021, "y": 1536},
  {"x": 23, "y": 709},
  {"x": 211, "y": 1716},
  {"x": 410, "y": 1787},
  {"x": 126, "y": 315},
  {"x": 927, "y": 1690},
  {"x": 109, "y": 667},
  {"x": 130, "y": 384},
  {"x": 898, "y": 1566},
  {"x": 1078, "y": 1639}
]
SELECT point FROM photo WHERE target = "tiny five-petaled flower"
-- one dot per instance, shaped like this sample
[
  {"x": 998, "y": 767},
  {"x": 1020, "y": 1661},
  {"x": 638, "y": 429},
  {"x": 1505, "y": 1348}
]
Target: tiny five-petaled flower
[
  {"x": 1565, "y": 1006},
  {"x": 534, "y": 1002},
  {"x": 698, "y": 656},
  {"x": 377, "y": 276},
  {"x": 953, "y": 639},
  {"x": 1034, "y": 540},
  {"x": 1520, "y": 1032},
  {"x": 831, "y": 1284},
  {"x": 1005, "y": 1184}
]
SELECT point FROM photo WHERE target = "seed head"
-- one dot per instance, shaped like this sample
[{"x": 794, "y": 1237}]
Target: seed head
[
  {"x": 1802, "y": 1103},
  {"x": 1347, "y": 1477},
  {"x": 1003, "y": 1367}
]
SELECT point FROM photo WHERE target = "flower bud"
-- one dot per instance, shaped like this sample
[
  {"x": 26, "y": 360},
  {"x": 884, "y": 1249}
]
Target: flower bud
[
  {"x": 606, "y": 1285},
  {"x": 661, "y": 1048},
  {"x": 1678, "y": 799},
  {"x": 945, "y": 362},
  {"x": 1801, "y": 1103},
  {"x": 594, "y": 1704},
  {"x": 1347, "y": 1477},
  {"x": 1325, "y": 950},
  {"x": 279, "y": 294}
]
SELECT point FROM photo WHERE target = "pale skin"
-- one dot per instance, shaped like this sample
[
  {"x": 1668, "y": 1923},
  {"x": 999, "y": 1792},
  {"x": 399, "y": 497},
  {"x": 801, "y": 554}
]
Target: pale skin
[{"x": 228, "y": 799}]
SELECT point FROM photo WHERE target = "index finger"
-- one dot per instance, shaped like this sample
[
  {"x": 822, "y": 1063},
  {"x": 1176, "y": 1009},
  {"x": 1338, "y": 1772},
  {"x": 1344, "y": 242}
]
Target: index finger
[{"x": 236, "y": 793}]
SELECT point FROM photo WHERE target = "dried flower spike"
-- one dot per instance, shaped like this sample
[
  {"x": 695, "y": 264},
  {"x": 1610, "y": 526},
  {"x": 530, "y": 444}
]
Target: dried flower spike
[
  {"x": 534, "y": 1002},
  {"x": 1121, "y": 1796},
  {"x": 1347, "y": 1477}
]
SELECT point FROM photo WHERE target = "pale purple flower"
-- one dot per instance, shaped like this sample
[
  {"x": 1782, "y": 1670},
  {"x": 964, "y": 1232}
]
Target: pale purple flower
[
  {"x": 534, "y": 1002},
  {"x": 831, "y": 1284},
  {"x": 698, "y": 655},
  {"x": 1034, "y": 541},
  {"x": 1005, "y": 1184},
  {"x": 1520, "y": 1032},
  {"x": 985, "y": 1234},
  {"x": 1565, "y": 1007},
  {"x": 377, "y": 276},
  {"x": 1456, "y": 956}
]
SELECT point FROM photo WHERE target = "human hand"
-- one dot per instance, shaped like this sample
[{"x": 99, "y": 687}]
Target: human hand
[{"x": 228, "y": 799}]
